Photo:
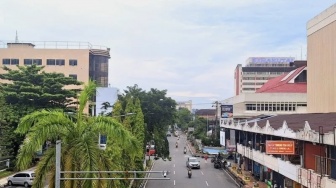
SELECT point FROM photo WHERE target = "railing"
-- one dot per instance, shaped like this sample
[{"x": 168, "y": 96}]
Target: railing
[{"x": 57, "y": 45}]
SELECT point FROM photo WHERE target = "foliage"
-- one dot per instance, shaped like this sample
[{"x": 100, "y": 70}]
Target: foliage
[
  {"x": 31, "y": 86},
  {"x": 183, "y": 117},
  {"x": 78, "y": 134},
  {"x": 158, "y": 110}
]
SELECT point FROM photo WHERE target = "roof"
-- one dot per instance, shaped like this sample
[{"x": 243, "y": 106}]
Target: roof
[
  {"x": 282, "y": 84},
  {"x": 204, "y": 112},
  {"x": 296, "y": 121}
]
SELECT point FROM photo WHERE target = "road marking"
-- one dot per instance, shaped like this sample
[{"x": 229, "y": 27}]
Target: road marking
[
  {"x": 231, "y": 177},
  {"x": 202, "y": 172},
  {"x": 174, "y": 171},
  {"x": 174, "y": 165},
  {"x": 207, "y": 183},
  {"x": 174, "y": 182}
]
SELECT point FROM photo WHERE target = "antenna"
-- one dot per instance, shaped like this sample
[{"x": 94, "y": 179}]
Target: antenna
[{"x": 16, "y": 38}]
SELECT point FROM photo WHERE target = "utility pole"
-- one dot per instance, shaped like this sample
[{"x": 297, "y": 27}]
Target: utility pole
[{"x": 214, "y": 133}]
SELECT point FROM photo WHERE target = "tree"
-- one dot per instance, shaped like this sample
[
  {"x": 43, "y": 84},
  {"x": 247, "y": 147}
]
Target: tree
[
  {"x": 7, "y": 139},
  {"x": 159, "y": 113},
  {"x": 80, "y": 151},
  {"x": 183, "y": 117},
  {"x": 31, "y": 86}
]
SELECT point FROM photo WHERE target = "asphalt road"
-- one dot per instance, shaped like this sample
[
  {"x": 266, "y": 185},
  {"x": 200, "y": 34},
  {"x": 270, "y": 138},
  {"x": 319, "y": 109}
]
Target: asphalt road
[{"x": 205, "y": 177}]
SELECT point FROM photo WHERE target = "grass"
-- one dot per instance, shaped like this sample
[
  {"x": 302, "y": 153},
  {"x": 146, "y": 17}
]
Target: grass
[{"x": 5, "y": 173}]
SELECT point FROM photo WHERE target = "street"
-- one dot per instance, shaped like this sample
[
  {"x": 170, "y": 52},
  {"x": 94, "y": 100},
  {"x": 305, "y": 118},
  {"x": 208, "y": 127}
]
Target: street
[{"x": 207, "y": 176}]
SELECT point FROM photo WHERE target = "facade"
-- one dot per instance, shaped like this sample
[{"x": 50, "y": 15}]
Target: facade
[
  {"x": 77, "y": 60},
  {"x": 321, "y": 55},
  {"x": 258, "y": 71},
  {"x": 285, "y": 94},
  {"x": 307, "y": 158},
  {"x": 184, "y": 104}
]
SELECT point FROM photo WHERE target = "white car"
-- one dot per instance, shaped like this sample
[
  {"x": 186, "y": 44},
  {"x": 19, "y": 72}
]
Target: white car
[
  {"x": 193, "y": 162},
  {"x": 22, "y": 178}
]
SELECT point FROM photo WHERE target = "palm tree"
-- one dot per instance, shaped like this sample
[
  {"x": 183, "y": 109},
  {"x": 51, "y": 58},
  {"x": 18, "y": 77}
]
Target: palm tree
[{"x": 80, "y": 152}]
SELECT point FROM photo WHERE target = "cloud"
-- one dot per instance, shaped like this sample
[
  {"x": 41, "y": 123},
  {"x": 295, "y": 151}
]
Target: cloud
[{"x": 188, "y": 47}]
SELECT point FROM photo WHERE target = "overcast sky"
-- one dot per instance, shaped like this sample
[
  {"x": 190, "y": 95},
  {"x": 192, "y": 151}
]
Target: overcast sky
[{"x": 188, "y": 47}]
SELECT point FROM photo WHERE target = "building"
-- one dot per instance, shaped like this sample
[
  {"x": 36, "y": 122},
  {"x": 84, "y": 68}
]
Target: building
[
  {"x": 321, "y": 55},
  {"x": 292, "y": 150},
  {"x": 284, "y": 94},
  {"x": 258, "y": 71},
  {"x": 81, "y": 61},
  {"x": 184, "y": 104},
  {"x": 78, "y": 60}
]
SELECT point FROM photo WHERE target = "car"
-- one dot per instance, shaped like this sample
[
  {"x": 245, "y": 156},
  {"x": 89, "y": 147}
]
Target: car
[
  {"x": 193, "y": 162},
  {"x": 168, "y": 134},
  {"x": 22, "y": 178}
]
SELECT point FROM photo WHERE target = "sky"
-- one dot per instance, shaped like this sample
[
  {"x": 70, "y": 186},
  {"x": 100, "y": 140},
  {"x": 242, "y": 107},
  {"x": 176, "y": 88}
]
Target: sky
[{"x": 188, "y": 47}]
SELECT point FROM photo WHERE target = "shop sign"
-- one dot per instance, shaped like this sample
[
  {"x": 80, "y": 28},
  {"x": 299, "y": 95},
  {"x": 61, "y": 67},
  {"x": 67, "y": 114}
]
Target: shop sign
[{"x": 280, "y": 147}]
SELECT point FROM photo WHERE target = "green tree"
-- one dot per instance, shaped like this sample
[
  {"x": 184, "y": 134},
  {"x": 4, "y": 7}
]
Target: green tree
[
  {"x": 7, "y": 117},
  {"x": 80, "y": 151},
  {"x": 31, "y": 86},
  {"x": 183, "y": 117}
]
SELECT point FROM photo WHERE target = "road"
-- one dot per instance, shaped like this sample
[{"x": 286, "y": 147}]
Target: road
[{"x": 205, "y": 177}]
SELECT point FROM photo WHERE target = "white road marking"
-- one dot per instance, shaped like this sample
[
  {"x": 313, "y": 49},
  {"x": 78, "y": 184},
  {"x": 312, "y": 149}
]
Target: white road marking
[
  {"x": 202, "y": 172},
  {"x": 207, "y": 183},
  {"x": 174, "y": 171},
  {"x": 174, "y": 182},
  {"x": 174, "y": 165}
]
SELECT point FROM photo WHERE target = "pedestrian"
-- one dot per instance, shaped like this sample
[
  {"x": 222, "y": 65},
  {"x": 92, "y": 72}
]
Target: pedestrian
[{"x": 206, "y": 157}]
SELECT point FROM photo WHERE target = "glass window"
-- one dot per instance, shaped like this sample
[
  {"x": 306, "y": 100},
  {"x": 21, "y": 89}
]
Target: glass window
[
  {"x": 27, "y": 61},
  {"x": 73, "y": 62},
  {"x": 6, "y": 61},
  {"x": 74, "y": 76},
  {"x": 60, "y": 62},
  {"x": 37, "y": 61},
  {"x": 14, "y": 61},
  {"x": 51, "y": 62}
]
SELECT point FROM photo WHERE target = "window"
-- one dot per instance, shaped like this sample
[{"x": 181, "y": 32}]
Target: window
[
  {"x": 6, "y": 61},
  {"x": 37, "y": 61},
  {"x": 14, "y": 61},
  {"x": 27, "y": 61},
  {"x": 51, "y": 62},
  {"x": 73, "y": 62},
  {"x": 74, "y": 76},
  {"x": 60, "y": 62}
]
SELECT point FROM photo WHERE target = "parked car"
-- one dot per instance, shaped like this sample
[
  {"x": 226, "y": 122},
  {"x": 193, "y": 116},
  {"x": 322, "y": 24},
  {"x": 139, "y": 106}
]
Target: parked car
[
  {"x": 22, "y": 178},
  {"x": 168, "y": 134},
  {"x": 193, "y": 162}
]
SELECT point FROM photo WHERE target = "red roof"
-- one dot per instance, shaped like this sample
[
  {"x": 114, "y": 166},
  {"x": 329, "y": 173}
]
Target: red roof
[{"x": 277, "y": 85}]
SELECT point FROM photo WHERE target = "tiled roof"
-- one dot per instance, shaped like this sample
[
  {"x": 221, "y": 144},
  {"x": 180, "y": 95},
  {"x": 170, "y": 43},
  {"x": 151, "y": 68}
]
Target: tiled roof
[
  {"x": 278, "y": 85},
  {"x": 297, "y": 121},
  {"x": 204, "y": 112}
]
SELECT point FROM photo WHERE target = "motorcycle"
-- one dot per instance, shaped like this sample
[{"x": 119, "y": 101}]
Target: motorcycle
[
  {"x": 185, "y": 151},
  {"x": 176, "y": 146},
  {"x": 189, "y": 173}
]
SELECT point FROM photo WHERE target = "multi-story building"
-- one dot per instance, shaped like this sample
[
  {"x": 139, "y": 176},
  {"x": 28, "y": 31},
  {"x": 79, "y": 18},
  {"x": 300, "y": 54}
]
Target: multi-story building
[
  {"x": 82, "y": 61},
  {"x": 284, "y": 94},
  {"x": 184, "y": 104},
  {"x": 258, "y": 71},
  {"x": 297, "y": 150},
  {"x": 321, "y": 56}
]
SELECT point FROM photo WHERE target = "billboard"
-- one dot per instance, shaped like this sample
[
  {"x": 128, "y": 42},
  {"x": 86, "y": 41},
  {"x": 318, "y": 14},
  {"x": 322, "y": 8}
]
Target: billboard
[
  {"x": 280, "y": 147},
  {"x": 256, "y": 60},
  {"x": 226, "y": 111}
]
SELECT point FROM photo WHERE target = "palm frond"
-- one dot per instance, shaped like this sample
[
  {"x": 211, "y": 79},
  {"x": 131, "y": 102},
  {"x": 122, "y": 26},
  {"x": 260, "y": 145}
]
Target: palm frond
[
  {"x": 44, "y": 167},
  {"x": 85, "y": 96}
]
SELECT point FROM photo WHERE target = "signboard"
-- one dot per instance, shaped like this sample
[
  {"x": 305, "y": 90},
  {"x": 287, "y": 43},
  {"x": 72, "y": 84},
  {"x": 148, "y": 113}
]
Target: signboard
[
  {"x": 222, "y": 136},
  {"x": 280, "y": 147},
  {"x": 226, "y": 111},
  {"x": 255, "y": 60}
]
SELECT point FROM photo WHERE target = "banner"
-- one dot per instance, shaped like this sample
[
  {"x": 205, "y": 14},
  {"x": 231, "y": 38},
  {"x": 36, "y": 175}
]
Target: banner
[{"x": 226, "y": 111}]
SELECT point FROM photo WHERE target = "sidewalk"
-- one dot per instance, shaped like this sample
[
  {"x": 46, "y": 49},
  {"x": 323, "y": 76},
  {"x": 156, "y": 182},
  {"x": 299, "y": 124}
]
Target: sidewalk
[{"x": 244, "y": 177}]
